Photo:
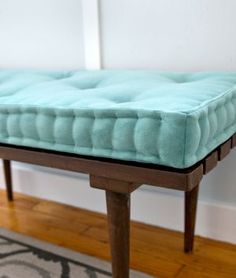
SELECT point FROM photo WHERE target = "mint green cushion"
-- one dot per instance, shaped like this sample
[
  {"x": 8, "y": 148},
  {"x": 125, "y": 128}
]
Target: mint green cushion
[{"x": 172, "y": 119}]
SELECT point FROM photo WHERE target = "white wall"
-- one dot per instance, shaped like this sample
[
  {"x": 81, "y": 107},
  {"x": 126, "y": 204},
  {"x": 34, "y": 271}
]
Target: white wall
[
  {"x": 169, "y": 35},
  {"x": 41, "y": 34},
  {"x": 162, "y": 34}
]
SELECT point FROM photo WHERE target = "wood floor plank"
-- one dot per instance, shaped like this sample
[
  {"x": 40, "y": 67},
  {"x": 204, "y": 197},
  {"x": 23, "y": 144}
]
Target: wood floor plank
[
  {"x": 21, "y": 201},
  {"x": 71, "y": 213},
  {"x": 154, "y": 250},
  {"x": 191, "y": 272}
]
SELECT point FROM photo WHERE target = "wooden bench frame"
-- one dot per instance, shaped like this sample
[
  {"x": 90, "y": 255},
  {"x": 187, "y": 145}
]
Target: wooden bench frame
[{"x": 119, "y": 179}]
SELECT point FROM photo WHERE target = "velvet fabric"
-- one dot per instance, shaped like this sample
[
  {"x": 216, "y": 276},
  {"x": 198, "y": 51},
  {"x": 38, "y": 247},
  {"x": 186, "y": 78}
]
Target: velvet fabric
[{"x": 165, "y": 118}]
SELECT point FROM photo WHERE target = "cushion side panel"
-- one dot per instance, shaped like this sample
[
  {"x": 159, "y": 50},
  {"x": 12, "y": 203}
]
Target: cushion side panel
[
  {"x": 209, "y": 128},
  {"x": 144, "y": 137}
]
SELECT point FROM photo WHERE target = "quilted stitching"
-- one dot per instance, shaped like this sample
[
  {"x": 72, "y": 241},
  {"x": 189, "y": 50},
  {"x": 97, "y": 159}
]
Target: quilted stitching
[{"x": 172, "y": 119}]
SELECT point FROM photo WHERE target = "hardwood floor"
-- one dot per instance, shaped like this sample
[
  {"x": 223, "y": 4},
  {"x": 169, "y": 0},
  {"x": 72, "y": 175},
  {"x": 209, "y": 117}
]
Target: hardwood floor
[{"x": 154, "y": 250}]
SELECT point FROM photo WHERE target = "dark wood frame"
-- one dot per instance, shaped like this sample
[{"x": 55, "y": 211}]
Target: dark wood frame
[{"x": 119, "y": 179}]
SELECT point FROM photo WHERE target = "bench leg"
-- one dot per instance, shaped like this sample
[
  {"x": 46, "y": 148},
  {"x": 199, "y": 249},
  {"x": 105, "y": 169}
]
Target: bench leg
[
  {"x": 8, "y": 178},
  {"x": 191, "y": 198},
  {"x": 118, "y": 209},
  {"x": 118, "y": 214}
]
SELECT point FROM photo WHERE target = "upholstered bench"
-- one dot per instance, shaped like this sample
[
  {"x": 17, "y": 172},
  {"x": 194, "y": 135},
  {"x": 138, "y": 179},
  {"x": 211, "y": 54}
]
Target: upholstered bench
[{"x": 123, "y": 128}]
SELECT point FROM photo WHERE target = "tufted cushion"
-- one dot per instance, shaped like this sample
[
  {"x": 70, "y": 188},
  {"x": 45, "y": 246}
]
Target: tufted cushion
[{"x": 172, "y": 119}]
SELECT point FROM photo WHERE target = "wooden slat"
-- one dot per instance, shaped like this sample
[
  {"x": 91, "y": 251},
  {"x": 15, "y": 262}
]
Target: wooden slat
[
  {"x": 220, "y": 153},
  {"x": 210, "y": 162},
  {"x": 224, "y": 150},
  {"x": 233, "y": 141}
]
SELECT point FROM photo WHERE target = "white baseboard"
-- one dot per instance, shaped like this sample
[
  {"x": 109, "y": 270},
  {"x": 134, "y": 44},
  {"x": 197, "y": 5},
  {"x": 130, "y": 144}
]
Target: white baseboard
[
  {"x": 214, "y": 220},
  {"x": 149, "y": 205}
]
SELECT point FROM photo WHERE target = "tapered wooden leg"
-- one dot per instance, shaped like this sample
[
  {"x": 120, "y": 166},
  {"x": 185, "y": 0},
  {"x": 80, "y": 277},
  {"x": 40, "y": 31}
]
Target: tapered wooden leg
[
  {"x": 8, "y": 179},
  {"x": 118, "y": 208},
  {"x": 118, "y": 213},
  {"x": 191, "y": 198}
]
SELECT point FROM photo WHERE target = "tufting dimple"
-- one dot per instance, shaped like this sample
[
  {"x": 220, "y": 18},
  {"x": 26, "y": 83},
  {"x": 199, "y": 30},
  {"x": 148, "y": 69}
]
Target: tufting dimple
[{"x": 167, "y": 118}]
